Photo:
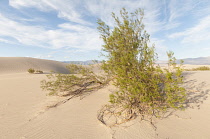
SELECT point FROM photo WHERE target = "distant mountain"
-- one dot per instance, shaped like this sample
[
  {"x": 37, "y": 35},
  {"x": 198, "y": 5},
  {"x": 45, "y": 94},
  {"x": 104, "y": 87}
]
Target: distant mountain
[
  {"x": 192, "y": 61},
  {"x": 88, "y": 62},
  {"x": 197, "y": 61}
]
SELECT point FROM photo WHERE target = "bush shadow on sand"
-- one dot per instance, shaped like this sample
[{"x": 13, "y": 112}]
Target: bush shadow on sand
[{"x": 196, "y": 91}]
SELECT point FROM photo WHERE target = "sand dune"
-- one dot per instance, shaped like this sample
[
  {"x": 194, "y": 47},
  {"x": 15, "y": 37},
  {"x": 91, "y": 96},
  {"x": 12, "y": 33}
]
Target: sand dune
[
  {"x": 22, "y": 104},
  {"x": 22, "y": 64},
  {"x": 23, "y": 112}
]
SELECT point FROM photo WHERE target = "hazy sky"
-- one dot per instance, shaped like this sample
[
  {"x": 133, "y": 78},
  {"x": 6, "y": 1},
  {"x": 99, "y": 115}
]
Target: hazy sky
[{"x": 67, "y": 29}]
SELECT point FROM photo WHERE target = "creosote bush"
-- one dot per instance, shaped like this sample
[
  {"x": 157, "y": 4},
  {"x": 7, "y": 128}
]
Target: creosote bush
[
  {"x": 80, "y": 80},
  {"x": 39, "y": 71},
  {"x": 31, "y": 70},
  {"x": 143, "y": 88}
]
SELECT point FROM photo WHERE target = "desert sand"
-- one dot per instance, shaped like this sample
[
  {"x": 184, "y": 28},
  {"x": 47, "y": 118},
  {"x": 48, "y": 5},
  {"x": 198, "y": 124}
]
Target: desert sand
[{"x": 23, "y": 113}]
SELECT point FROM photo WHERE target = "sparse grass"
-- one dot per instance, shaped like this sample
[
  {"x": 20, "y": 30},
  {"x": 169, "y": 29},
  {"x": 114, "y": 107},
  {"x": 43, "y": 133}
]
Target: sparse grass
[{"x": 202, "y": 68}]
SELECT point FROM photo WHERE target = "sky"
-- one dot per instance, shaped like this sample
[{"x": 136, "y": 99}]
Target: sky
[{"x": 66, "y": 30}]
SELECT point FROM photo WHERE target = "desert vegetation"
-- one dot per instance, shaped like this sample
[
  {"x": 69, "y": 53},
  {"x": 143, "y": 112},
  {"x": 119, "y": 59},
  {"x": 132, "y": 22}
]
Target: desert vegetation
[
  {"x": 201, "y": 68},
  {"x": 143, "y": 88},
  {"x": 39, "y": 71},
  {"x": 80, "y": 80},
  {"x": 31, "y": 70}
]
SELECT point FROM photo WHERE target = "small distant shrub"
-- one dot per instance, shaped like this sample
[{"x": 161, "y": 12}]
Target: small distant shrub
[
  {"x": 199, "y": 68},
  {"x": 39, "y": 71},
  {"x": 31, "y": 70}
]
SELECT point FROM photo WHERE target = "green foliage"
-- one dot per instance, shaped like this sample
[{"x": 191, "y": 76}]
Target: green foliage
[
  {"x": 143, "y": 87},
  {"x": 81, "y": 79},
  {"x": 39, "y": 71},
  {"x": 198, "y": 68},
  {"x": 31, "y": 70}
]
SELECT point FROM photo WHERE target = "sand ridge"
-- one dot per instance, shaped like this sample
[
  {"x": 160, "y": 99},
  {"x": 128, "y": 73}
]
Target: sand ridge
[{"x": 22, "y": 64}]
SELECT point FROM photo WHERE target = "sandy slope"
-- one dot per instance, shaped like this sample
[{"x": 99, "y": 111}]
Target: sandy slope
[
  {"x": 22, "y": 64},
  {"x": 22, "y": 104}
]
